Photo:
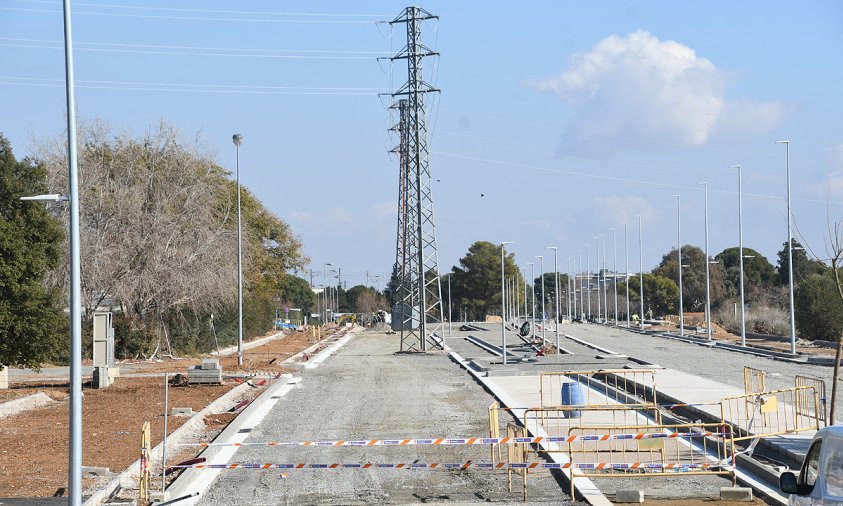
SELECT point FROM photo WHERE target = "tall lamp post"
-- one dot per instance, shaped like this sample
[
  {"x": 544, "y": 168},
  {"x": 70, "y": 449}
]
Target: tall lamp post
[
  {"x": 556, "y": 296},
  {"x": 503, "y": 298},
  {"x": 707, "y": 273},
  {"x": 238, "y": 139},
  {"x": 582, "y": 291},
  {"x": 325, "y": 289},
  {"x": 740, "y": 251},
  {"x": 626, "y": 255},
  {"x": 450, "y": 333},
  {"x": 572, "y": 280},
  {"x": 790, "y": 254},
  {"x": 615, "y": 273},
  {"x": 679, "y": 250},
  {"x": 641, "y": 268},
  {"x": 588, "y": 278},
  {"x": 541, "y": 277},
  {"x": 605, "y": 288},
  {"x": 533, "y": 298},
  {"x": 597, "y": 252}
]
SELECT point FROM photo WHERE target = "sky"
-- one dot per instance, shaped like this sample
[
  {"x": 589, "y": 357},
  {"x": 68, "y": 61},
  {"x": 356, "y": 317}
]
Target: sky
[{"x": 556, "y": 122}]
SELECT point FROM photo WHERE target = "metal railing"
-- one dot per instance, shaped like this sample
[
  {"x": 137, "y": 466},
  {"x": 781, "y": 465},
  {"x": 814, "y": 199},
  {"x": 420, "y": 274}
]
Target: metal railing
[
  {"x": 598, "y": 388},
  {"x": 753, "y": 380},
  {"x": 771, "y": 413},
  {"x": 516, "y": 454},
  {"x": 804, "y": 403}
]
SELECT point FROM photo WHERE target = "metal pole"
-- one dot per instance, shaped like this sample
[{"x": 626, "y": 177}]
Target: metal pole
[
  {"x": 790, "y": 255},
  {"x": 450, "y": 331},
  {"x": 517, "y": 291},
  {"x": 641, "y": 268},
  {"x": 503, "y": 296},
  {"x": 605, "y": 288},
  {"x": 679, "y": 251},
  {"x": 533, "y": 298},
  {"x": 615, "y": 272},
  {"x": 556, "y": 274},
  {"x": 626, "y": 254},
  {"x": 541, "y": 278},
  {"x": 525, "y": 294},
  {"x": 740, "y": 252},
  {"x": 238, "y": 139},
  {"x": 74, "y": 480},
  {"x": 164, "y": 444},
  {"x": 588, "y": 281},
  {"x": 597, "y": 266},
  {"x": 707, "y": 269}
]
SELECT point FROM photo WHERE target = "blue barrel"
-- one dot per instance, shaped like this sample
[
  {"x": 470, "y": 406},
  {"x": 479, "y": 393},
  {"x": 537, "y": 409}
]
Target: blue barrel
[{"x": 573, "y": 394}]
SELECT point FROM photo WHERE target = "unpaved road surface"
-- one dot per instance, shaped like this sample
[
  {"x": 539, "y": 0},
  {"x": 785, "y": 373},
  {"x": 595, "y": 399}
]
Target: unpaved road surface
[{"x": 365, "y": 391}]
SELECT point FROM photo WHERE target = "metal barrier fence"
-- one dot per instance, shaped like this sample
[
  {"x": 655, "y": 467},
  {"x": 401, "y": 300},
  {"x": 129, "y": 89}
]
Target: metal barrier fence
[
  {"x": 771, "y": 413},
  {"x": 805, "y": 403},
  {"x": 494, "y": 430},
  {"x": 516, "y": 454},
  {"x": 558, "y": 420},
  {"x": 653, "y": 450},
  {"x": 753, "y": 380},
  {"x": 598, "y": 388}
]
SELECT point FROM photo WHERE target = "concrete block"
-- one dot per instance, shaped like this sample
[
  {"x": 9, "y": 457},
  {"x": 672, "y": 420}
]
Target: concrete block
[
  {"x": 735, "y": 494},
  {"x": 181, "y": 412},
  {"x": 90, "y": 471},
  {"x": 4, "y": 378},
  {"x": 101, "y": 377},
  {"x": 155, "y": 497},
  {"x": 210, "y": 364},
  {"x": 629, "y": 496}
]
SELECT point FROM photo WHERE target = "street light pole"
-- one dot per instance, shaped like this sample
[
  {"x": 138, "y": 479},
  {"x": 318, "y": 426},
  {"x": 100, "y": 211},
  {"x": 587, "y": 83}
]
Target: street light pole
[
  {"x": 790, "y": 255},
  {"x": 503, "y": 296},
  {"x": 626, "y": 255},
  {"x": 679, "y": 250},
  {"x": 573, "y": 282},
  {"x": 556, "y": 273},
  {"x": 525, "y": 294},
  {"x": 740, "y": 251},
  {"x": 597, "y": 252},
  {"x": 541, "y": 277},
  {"x": 325, "y": 290},
  {"x": 450, "y": 332},
  {"x": 588, "y": 281},
  {"x": 533, "y": 298},
  {"x": 582, "y": 292},
  {"x": 615, "y": 271},
  {"x": 605, "y": 288},
  {"x": 707, "y": 273},
  {"x": 74, "y": 479},
  {"x": 238, "y": 139},
  {"x": 641, "y": 268}
]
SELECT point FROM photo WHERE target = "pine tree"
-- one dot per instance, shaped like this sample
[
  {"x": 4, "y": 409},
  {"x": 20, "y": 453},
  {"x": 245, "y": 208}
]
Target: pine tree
[{"x": 32, "y": 327}]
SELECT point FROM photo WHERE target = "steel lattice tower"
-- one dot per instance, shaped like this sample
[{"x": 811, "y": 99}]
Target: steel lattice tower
[
  {"x": 420, "y": 291},
  {"x": 399, "y": 269}
]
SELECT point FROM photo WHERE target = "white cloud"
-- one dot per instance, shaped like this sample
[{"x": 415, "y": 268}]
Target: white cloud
[
  {"x": 637, "y": 87},
  {"x": 833, "y": 185},
  {"x": 623, "y": 209}
]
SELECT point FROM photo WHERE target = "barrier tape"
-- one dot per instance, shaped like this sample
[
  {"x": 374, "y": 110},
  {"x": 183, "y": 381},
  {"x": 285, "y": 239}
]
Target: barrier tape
[
  {"x": 464, "y": 465},
  {"x": 476, "y": 440},
  {"x": 583, "y": 406}
]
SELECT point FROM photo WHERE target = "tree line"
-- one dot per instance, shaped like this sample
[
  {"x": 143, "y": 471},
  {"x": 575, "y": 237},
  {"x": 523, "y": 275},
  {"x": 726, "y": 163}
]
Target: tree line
[{"x": 476, "y": 289}]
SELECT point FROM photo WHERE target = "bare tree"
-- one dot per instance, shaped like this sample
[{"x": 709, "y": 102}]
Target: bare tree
[{"x": 834, "y": 244}]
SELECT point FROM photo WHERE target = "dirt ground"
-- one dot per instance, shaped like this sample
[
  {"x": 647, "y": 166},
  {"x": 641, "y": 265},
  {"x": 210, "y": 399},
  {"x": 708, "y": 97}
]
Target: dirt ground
[{"x": 34, "y": 444}]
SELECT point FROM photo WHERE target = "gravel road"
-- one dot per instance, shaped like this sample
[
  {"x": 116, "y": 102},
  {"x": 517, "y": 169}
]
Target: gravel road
[
  {"x": 721, "y": 365},
  {"x": 366, "y": 390}
]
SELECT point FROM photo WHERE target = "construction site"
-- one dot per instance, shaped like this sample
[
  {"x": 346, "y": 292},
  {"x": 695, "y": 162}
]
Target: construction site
[{"x": 409, "y": 401}]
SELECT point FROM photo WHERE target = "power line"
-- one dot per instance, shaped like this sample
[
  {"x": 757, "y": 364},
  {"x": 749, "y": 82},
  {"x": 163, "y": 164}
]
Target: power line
[
  {"x": 156, "y": 46},
  {"x": 622, "y": 179},
  {"x": 208, "y": 11},
  {"x": 193, "y": 18},
  {"x": 190, "y": 53}
]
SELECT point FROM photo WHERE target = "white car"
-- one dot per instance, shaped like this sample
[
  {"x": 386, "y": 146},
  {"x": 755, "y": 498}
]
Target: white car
[{"x": 820, "y": 480}]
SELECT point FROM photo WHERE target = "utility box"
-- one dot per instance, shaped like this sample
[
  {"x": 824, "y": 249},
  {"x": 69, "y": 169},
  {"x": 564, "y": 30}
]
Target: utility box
[
  {"x": 103, "y": 340},
  {"x": 404, "y": 317}
]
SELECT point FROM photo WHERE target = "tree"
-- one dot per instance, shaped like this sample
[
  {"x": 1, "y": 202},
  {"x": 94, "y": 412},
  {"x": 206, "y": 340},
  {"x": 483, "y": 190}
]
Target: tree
[
  {"x": 549, "y": 281},
  {"x": 476, "y": 283},
  {"x": 661, "y": 294},
  {"x": 693, "y": 277},
  {"x": 295, "y": 292},
  {"x": 759, "y": 273},
  {"x": 802, "y": 265},
  {"x": 817, "y": 308},
  {"x": 159, "y": 236},
  {"x": 32, "y": 326}
]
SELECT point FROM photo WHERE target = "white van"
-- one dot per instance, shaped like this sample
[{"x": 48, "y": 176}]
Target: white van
[{"x": 820, "y": 480}]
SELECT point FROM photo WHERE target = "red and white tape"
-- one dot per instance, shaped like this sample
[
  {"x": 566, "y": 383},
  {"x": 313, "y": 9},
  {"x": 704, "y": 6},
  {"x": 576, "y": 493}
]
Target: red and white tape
[{"x": 678, "y": 467}]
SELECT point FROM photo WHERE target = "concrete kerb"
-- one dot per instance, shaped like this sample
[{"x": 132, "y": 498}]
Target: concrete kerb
[
  {"x": 330, "y": 350},
  {"x": 218, "y": 406},
  {"x": 195, "y": 482},
  {"x": 584, "y": 486},
  {"x": 230, "y": 350},
  {"x": 21, "y": 404}
]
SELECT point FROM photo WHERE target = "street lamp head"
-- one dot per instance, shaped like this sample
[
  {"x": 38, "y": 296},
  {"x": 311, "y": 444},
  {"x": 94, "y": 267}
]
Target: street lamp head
[
  {"x": 738, "y": 166},
  {"x": 237, "y": 139},
  {"x": 782, "y": 142},
  {"x": 504, "y": 243},
  {"x": 703, "y": 182},
  {"x": 677, "y": 196},
  {"x": 554, "y": 248},
  {"x": 52, "y": 197}
]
